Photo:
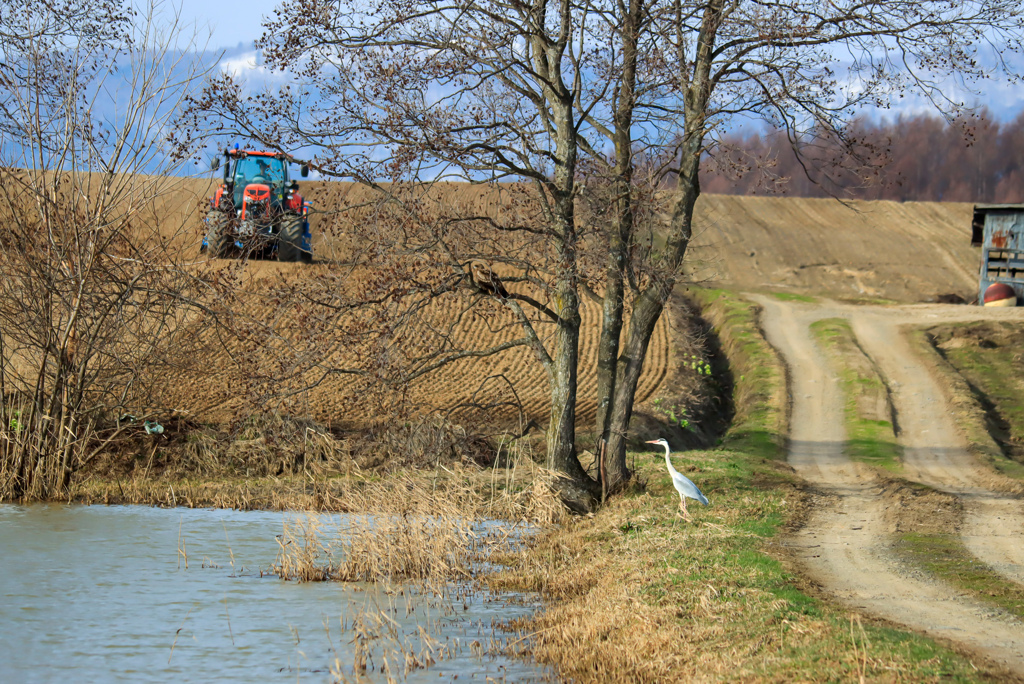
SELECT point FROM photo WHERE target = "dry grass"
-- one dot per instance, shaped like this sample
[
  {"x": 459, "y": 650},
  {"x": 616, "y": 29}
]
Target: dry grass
[
  {"x": 280, "y": 463},
  {"x": 636, "y": 594},
  {"x": 378, "y": 548},
  {"x": 37, "y": 453},
  {"x": 484, "y": 492}
]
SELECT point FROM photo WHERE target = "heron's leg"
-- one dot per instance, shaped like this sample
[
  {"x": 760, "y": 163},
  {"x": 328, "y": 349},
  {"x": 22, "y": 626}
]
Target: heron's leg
[{"x": 682, "y": 505}]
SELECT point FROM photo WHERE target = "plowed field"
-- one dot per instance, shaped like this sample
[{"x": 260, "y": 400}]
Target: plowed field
[
  {"x": 906, "y": 252},
  {"x": 514, "y": 377},
  {"x": 217, "y": 392}
]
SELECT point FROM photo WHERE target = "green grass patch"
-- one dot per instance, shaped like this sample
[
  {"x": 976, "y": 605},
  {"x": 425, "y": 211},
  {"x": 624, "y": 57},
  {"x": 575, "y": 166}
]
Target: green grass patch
[
  {"x": 984, "y": 363},
  {"x": 946, "y": 557},
  {"x": 721, "y": 570},
  {"x": 759, "y": 426},
  {"x": 869, "y": 433},
  {"x": 794, "y": 297}
]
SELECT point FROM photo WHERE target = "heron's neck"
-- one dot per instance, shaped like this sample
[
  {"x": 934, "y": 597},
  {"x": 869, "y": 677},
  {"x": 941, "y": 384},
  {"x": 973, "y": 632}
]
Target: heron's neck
[{"x": 668, "y": 461}]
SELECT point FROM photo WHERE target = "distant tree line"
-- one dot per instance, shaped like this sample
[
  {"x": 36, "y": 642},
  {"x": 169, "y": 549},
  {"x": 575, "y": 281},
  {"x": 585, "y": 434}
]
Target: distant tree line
[{"x": 911, "y": 158}]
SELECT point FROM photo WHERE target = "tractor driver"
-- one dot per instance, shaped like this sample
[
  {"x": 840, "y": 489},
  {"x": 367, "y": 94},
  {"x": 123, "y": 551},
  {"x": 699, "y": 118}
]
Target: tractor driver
[{"x": 263, "y": 175}]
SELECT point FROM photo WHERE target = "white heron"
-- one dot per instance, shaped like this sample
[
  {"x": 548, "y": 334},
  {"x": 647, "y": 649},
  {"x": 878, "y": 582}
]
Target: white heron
[{"x": 683, "y": 485}]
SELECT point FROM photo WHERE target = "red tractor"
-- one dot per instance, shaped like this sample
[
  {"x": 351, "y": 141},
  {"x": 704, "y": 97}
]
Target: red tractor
[{"x": 258, "y": 210}]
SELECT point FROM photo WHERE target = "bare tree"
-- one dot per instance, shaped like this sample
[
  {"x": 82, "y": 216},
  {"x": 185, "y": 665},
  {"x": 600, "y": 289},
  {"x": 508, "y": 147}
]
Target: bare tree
[
  {"x": 973, "y": 158},
  {"x": 94, "y": 290},
  {"x": 783, "y": 62},
  {"x": 578, "y": 114}
]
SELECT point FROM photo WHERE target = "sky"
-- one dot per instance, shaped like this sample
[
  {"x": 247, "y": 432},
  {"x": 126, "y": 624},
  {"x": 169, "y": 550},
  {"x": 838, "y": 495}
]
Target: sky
[
  {"x": 235, "y": 24},
  {"x": 230, "y": 21}
]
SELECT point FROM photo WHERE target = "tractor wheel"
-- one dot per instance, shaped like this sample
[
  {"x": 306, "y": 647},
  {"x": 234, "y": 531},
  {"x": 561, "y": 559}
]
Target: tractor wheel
[
  {"x": 289, "y": 241},
  {"x": 219, "y": 238}
]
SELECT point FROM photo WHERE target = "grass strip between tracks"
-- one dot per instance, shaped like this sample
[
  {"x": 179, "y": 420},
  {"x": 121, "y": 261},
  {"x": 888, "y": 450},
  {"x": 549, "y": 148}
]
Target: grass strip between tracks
[
  {"x": 946, "y": 557},
  {"x": 634, "y": 593},
  {"x": 794, "y": 297},
  {"x": 869, "y": 429}
]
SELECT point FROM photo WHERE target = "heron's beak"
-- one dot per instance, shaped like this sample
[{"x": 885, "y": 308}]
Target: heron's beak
[{"x": 651, "y": 441}]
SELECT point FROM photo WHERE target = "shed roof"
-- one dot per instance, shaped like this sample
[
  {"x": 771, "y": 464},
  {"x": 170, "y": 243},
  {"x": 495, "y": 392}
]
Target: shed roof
[{"x": 978, "y": 223}]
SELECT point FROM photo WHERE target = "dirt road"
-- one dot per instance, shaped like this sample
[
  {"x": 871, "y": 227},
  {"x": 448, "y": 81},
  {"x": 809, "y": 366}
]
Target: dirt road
[{"x": 845, "y": 545}]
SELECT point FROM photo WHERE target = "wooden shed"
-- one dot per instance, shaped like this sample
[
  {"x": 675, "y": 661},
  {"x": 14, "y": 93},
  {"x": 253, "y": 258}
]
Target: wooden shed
[{"x": 999, "y": 230}]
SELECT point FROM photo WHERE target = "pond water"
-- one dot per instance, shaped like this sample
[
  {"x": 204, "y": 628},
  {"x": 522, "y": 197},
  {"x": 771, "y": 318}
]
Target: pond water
[{"x": 101, "y": 594}]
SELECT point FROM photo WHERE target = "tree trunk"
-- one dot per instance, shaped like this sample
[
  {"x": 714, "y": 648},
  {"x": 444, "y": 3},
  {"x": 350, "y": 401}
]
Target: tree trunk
[
  {"x": 611, "y": 331},
  {"x": 620, "y": 235},
  {"x": 645, "y": 317},
  {"x": 577, "y": 489}
]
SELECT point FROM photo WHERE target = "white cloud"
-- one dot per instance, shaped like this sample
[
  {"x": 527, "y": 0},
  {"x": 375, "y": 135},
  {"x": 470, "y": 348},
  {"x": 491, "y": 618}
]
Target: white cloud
[{"x": 249, "y": 67}]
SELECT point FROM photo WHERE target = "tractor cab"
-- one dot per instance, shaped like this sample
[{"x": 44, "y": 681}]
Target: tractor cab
[
  {"x": 256, "y": 176},
  {"x": 269, "y": 172}
]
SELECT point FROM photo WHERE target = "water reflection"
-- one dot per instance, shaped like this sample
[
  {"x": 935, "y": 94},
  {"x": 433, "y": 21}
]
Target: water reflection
[{"x": 101, "y": 594}]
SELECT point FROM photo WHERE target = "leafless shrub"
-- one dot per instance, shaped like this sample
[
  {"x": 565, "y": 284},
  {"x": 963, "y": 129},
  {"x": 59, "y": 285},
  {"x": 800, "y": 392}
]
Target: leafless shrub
[
  {"x": 423, "y": 442},
  {"x": 278, "y": 444},
  {"x": 94, "y": 290}
]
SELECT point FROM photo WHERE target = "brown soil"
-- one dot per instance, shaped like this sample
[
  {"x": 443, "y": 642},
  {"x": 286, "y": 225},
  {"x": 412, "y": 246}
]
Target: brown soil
[
  {"x": 844, "y": 546},
  {"x": 910, "y": 507},
  {"x": 214, "y": 392},
  {"x": 906, "y": 252},
  {"x": 900, "y": 251},
  {"x": 514, "y": 376}
]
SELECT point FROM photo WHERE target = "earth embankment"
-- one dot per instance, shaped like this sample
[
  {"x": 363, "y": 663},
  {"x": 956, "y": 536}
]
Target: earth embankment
[{"x": 900, "y": 251}]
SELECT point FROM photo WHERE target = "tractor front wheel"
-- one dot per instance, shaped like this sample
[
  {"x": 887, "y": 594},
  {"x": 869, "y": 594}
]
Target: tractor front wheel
[
  {"x": 289, "y": 241},
  {"x": 219, "y": 237}
]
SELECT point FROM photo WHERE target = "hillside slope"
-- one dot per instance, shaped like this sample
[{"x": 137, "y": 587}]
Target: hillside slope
[{"x": 908, "y": 252}]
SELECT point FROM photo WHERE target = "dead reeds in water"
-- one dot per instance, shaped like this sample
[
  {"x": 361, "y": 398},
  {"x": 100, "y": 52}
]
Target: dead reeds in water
[
  {"x": 407, "y": 527},
  {"x": 404, "y": 533},
  {"x": 380, "y": 643}
]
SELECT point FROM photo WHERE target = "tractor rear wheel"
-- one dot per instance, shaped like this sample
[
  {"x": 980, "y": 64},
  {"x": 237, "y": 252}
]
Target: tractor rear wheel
[
  {"x": 289, "y": 241},
  {"x": 219, "y": 238}
]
